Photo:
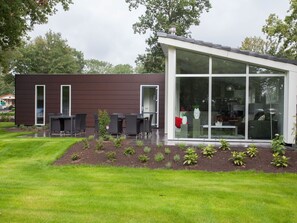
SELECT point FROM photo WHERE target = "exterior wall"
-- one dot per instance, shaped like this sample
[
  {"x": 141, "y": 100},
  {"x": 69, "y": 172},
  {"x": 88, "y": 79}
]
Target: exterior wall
[{"x": 115, "y": 93}]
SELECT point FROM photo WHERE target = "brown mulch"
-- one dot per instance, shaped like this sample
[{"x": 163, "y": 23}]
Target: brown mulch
[{"x": 219, "y": 162}]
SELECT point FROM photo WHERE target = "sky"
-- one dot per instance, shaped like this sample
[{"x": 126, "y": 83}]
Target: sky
[{"x": 102, "y": 29}]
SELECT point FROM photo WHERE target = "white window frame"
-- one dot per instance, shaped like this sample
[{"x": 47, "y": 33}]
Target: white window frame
[
  {"x": 61, "y": 98},
  {"x": 44, "y": 103}
]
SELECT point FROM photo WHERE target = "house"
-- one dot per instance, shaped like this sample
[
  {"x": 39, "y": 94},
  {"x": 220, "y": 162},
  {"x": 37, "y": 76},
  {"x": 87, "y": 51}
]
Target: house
[
  {"x": 242, "y": 96},
  {"x": 208, "y": 92},
  {"x": 7, "y": 100}
]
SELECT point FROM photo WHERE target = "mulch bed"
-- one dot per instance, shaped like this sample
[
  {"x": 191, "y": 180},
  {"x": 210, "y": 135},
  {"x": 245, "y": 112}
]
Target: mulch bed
[{"x": 219, "y": 162}]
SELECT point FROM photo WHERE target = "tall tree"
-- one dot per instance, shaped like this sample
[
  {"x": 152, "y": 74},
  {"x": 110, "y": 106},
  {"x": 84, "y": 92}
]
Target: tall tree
[
  {"x": 17, "y": 17},
  {"x": 160, "y": 15},
  {"x": 258, "y": 45},
  {"x": 94, "y": 66},
  {"x": 49, "y": 54},
  {"x": 283, "y": 33}
]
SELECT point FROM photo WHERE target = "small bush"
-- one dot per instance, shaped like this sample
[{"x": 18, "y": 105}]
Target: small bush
[
  {"x": 201, "y": 146},
  {"x": 191, "y": 157},
  {"x": 280, "y": 160},
  {"x": 143, "y": 158},
  {"x": 86, "y": 144},
  {"x": 104, "y": 120},
  {"x": 75, "y": 156},
  {"x": 91, "y": 137},
  {"x": 139, "y": 143},
  {"x": 278, "y": 145},
  {"x": 252, "y": 151},
  {"x": 238, "y": 158},
  {"x": 159, "y": 145},
  {"x": 111, "y": 156},
  {"x": 168, "y": 165},
  {"x": 117, "y": 142},
  {"x": 209, "y": 151},
  {"x": 176, "y": 158},
  {"x": 167, "y": 150},
  {"x": 99, "y": 144},
  {"x": 129, "y": 151},
  {"x": 159, "y": 157},
  {"x": 182, "y": 146},
  {"x": 147, "y": 149},
  {"x": 224, "y": 145}
]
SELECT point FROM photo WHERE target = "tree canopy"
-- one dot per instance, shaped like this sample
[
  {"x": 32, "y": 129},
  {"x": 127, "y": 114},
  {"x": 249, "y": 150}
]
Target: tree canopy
[
  {"x": 49, "y": 54},
  {"x": 17, "y": 17},
  {"x": 94, "y": 66},
  {"x": 161, "y": 15}
]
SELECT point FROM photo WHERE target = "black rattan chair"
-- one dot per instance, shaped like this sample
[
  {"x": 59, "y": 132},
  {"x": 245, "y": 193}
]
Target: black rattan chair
[
  {"x": 132, "y": 125},
  {"x": 148, "y": 124},
  {"x": 115, "y": 125}
]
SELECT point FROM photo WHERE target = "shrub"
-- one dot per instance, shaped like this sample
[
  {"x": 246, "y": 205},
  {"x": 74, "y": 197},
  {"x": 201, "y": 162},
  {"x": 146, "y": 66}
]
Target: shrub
[
  {"x": 159, "y": 145},
  {"x": 209, "y": 151},
  {"x": 201, "y": 146},
  {"x": 91, "y": 137},
  {"x": 129, "y": 151},
  {"x": 104, "y": 120},
  {"x": 99, "y": 144},
  {"x": 224, "y": 145},
  {"x": 167, "y": 150},
  {"x": 159, "y": 157},
  {"x": 191, "y": 157},
  {"x": 168, "y": 165},
  {"x": 238, "y": 158},
  {"x": 111, "y": 156},
  {"x": 75, "y": 156},
  {"x": 252, "y": 151},
  {"x": 176, "y": 158},
  {"x": 182, "y": 146},
  {"x": 86, "y": 144},
  {"x": 117, "y": 142},
  {"x": 278, "y": 144},
  {"x": 139, "y": 143},
  {"x": 147, "y": 149},
  {"x": 280, "y": 160},
  {"x": 143, "y": 158}
]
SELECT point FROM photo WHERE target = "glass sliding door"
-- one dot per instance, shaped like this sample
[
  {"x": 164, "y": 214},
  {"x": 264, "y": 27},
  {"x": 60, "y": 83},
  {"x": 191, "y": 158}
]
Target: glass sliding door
[
  {"x": 228, "y": 107},
  {"x": 191, "y": 112},
  {"x": 66, "y": 99},
  {"x": 39, "y": 104},
  {"x": 266, "y": 107}
]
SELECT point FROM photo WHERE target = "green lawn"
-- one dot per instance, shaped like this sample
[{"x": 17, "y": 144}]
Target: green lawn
[{"x": 32, "y": 190}]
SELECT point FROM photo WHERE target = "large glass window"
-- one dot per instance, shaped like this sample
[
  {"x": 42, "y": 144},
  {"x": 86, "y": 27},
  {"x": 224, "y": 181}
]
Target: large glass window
[
  {"x": 66, "y": 99},
  {"x": 228, "y": 107},
  {"x": 223, "y": 66},
  {"x": 191, "y": 63},
  {"x": 191, "y": 107},
  {"x": 266, "y": 107},
  {"x": 39, "y": 104},
  {"x": 263, "y": 70}
]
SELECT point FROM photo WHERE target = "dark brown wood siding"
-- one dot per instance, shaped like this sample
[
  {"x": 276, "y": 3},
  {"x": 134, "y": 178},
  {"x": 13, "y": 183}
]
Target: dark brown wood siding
[{"x": 114, "y": 93}]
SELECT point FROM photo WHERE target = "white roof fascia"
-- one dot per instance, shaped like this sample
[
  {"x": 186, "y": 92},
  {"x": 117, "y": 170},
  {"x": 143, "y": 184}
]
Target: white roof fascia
[{"x": 165, "y": 42}]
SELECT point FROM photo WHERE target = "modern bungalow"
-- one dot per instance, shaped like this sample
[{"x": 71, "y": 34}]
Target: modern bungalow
[{"x": 208, "y": 92}]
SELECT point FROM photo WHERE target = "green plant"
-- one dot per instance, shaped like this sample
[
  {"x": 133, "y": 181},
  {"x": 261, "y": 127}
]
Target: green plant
[
  {"x": 168, "y": 165},
  {"x": 111, "y": 156},
  {"x": 147, "y": 149},
  {"x": 201, "y": 146},
  {"x": 252, "y": 151},
  {"x": 129, "y": 151},
  {"x": 143, "y": 158},
  {"x": 176, "y": 158},
  {"x": 139, "y": 143},
  {"x": 86, "y": 144},
  {"x": 278, "y": 144},
  {"x": 117, "y": 142},
  {"x": 159, "y": 157},
  {"x": 104, "y": 120},
  {"x": 238, "y": 158},
  {"x": 209, "y": 151},
  {"x": 182, "y": 146},
  {"x": 280, "y": 160},
  {"x": 191, "y": 157},
  {"x": 159, "y": 145},
  {"x": 167, "y": 150},
  {"x": 75, "y": 156},
  {"x": 224, "y": 145},
  {"x": 91, "y": 137},
  {"x": 99, "y": 144}
]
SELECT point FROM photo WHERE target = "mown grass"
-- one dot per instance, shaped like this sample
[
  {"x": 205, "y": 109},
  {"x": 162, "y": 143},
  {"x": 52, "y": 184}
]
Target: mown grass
[{"x": 33, "y": 190}]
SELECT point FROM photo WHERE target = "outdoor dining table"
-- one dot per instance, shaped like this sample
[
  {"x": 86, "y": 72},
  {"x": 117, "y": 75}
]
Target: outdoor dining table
[
  {"x": 140, "y": 117},
  {"x": 62, "y": 119}
]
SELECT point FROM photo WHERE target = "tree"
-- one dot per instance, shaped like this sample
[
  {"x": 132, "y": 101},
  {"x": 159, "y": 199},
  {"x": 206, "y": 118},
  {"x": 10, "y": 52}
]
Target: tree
[
  {"x": 283, "y": 33},
  {"x": 17, "y": 17},
  {"x": 258, "y": 45},
  {"x": 160, "y": 15},
  {"x": 94, "y": 66},
  {"x": 123, "y": 69},
  {"x": 49, "y": 54}
]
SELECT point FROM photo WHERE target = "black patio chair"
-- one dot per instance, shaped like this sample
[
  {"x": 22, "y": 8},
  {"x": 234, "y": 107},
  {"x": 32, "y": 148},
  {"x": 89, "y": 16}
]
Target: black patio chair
[
  {"x": 148, "y": 124},
  {"x": 96, "y": 123},
  {"x": 80, "y": 124},
  {"x": 115, "y": 125},
  {"x": 132, "y": 125},
  {"x": 55, "y": 126}
]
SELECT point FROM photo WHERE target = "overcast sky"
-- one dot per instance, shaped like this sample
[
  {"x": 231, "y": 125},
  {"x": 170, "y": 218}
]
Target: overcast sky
[{"x": 102, "y": 29}]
